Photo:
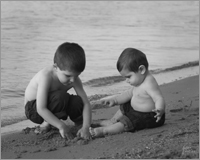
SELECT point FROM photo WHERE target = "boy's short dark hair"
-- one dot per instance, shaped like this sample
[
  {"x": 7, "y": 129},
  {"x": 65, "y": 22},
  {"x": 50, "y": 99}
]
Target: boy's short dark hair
[
  {"x": 70, "y": 56},
  {"x": 131, "y": 59}
]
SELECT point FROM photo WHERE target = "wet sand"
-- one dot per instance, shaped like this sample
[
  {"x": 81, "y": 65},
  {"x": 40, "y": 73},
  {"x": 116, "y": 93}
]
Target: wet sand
[{"x": 177, "y": 138}]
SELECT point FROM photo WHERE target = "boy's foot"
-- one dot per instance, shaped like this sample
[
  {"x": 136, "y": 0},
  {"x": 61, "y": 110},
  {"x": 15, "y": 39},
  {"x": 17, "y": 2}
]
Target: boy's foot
[
  {"x": 96, "y": 132},
  {"x": 43, "y": 128}
]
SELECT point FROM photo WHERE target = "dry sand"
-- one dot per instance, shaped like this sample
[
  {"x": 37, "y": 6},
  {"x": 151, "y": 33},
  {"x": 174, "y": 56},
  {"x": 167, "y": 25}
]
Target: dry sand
[{"x": 177, "y": 138}]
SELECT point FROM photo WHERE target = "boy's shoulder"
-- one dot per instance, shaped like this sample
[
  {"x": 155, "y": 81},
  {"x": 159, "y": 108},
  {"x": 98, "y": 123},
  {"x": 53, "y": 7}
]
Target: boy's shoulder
[{"x": 46, "y": 73}]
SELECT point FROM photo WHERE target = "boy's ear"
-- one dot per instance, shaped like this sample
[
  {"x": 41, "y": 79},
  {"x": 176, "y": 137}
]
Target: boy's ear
[
  {"x": 142, "y": 69},
  {"x": 55, "y": 65}
]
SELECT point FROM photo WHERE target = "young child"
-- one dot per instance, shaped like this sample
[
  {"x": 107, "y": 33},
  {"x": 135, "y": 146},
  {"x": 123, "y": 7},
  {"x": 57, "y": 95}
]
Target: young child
[
  {"x": 46, "y": 99},
  {"x": 142, "y": 106}
]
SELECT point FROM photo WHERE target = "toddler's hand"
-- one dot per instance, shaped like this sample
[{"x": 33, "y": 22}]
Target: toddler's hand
[
  {"x": 158, "y": 115},
  {"x": 109, "y": 102}
]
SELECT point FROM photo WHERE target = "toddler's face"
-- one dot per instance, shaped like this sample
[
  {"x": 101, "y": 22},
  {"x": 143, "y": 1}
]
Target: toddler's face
[
  {"x": 66, "y": 77},
  {"x": 134, "y": 79}
]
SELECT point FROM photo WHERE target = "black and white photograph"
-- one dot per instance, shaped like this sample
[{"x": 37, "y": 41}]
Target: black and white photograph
[{"x": 100, "y": 79}]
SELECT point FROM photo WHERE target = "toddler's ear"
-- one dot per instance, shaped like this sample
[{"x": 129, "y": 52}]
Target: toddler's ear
[{"x": 142, "y": 69}]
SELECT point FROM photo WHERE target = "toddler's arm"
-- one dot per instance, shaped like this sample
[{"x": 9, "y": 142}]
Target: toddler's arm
[
  {"x": 123, "y": 97},
  {"x": 117, "y": 99},
  {"x": 154, "y": 91}
]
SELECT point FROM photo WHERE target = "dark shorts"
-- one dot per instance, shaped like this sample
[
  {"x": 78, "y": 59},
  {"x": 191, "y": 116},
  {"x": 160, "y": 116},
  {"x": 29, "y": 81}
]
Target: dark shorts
[
  {"x": 61, "y": 104},
  {"x": 135, "y": 120}
]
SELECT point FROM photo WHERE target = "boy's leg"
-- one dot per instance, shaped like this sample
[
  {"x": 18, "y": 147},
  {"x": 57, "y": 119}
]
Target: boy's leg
[
  {"x": 111, "y": 129},
  {"x": 113, "y": 120},
  {"x": 31, "y": 112},
  {"x": 75, "y": 109},
  {"x": 57, "y": 104}
]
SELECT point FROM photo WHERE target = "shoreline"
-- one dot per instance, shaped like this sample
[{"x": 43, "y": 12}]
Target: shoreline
[
  {"x": 116, "y": 88},
  {"x": 177, "y": 138},
  {"x": 98, "y": 82}
]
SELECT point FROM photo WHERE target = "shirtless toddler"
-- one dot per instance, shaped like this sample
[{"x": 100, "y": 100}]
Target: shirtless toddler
[{"x": 142, "y": 106}]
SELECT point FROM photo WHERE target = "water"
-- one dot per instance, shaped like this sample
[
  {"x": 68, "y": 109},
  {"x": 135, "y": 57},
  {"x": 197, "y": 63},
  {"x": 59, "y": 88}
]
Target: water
[{"x": 167, "y": 32}]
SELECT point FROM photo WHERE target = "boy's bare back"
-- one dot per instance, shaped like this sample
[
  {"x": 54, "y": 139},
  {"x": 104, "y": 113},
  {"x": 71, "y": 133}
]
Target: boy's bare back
[{"x": 50, "y": 76}]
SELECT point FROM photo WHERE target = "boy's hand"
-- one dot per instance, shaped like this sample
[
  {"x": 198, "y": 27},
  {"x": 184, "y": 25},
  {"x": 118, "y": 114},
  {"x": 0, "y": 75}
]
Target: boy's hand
[
  {"x": 109, "y": 102},
  {"x": 159, "y": 114},
  {"x": 65, "y": 132},
  {"x": 84, "y": 133}
]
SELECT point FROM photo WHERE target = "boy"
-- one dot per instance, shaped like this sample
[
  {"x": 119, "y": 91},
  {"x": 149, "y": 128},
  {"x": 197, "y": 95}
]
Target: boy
[
  {"x": 46, "y": 97},
  {"x": 142, "y": 106}
]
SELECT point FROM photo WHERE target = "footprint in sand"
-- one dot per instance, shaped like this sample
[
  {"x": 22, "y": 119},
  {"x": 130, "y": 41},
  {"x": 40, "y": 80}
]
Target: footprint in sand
[{"x": 176, "y": 110}]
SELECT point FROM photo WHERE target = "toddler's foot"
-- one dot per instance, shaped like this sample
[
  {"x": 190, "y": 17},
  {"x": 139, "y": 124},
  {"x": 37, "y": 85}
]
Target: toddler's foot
[
  {"x": 96, "y": 132},
  {"x": 43, "y": 128}
]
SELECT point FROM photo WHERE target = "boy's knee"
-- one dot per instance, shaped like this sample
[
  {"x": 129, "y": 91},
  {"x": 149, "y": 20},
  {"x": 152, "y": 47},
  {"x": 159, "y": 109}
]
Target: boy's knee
[
  {"x": 75, "y": 108},
  {"x": 75, "y": 104},
  {"x": 31, "y": 112},
  {"x": 75, "y": 100},
  {"x": 58, "y": 101}
]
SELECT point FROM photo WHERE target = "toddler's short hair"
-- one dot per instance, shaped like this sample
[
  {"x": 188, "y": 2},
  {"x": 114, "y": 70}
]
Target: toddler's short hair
[
  {"x": 70, "y": 56},
  {"x": 131, "y": 59}
]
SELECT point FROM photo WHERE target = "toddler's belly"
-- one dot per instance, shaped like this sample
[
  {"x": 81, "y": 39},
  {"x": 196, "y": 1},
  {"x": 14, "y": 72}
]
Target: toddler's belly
[{"x": 143, "y": 106}]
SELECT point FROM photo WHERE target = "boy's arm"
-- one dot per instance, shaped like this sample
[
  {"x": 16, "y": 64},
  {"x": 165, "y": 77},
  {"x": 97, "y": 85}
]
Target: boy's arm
[
  {"x": 42, "y": 96},
  {"x": 78, "y": 87}
]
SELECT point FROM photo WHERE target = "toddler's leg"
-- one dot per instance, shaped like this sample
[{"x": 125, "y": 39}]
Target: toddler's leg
[
  {"x": 111, "y": 129},
  {"x": 113, "y": 120}
]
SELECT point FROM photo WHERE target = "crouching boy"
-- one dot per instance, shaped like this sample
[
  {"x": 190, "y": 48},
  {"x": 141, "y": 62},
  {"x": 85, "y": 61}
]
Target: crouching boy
[{"x": 46, "y": 99}]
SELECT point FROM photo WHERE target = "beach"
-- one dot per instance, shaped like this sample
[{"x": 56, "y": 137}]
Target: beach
[
  {"x": 177, "y": 138},
  {"x": 166, "y": 31},
  {"x": 32, "y": 31}
]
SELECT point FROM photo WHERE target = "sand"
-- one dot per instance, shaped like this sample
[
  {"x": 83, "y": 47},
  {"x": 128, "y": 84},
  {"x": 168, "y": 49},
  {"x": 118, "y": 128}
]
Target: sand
[{"x": 177, "y": 138}]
